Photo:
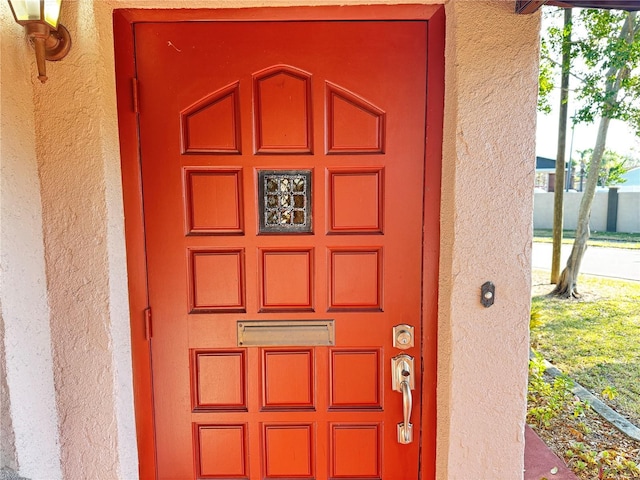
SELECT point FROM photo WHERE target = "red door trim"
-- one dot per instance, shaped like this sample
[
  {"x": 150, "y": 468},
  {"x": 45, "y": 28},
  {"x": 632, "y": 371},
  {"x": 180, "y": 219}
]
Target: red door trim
[
  {"x": 124, "y": 20},
  {"x": 135, "y": 242},
  {"x": 431, "y": 235}
]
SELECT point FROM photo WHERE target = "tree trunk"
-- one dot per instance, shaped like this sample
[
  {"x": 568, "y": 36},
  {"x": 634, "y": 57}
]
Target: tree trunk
[
  {"x": 568, "y": 282},
  {"x": 558, "y": 191},
  {"x": 567, "y": 286}
]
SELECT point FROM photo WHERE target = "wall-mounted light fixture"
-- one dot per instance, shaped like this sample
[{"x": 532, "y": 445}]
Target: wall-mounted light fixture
[{"x": 50, "y": 39}]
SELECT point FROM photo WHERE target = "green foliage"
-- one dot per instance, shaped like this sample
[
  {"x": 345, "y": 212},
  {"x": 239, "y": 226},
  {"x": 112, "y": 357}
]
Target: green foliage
[
  {"x": 609, "y": 464},
  {"x": 610, "y": 392},
  {"x": 608, "y": 56},
  {"x": 550, "y": 49},
  {"x": 612, "y": 168},
  {"x": 595, "y": 340},
  {"x": 579, "y": 407},
  {"x": 605, "y": 51},
  {"x": 612, "y": 174},
  {"x": 602, "y": 57},
  {"x": 535, "y": 320},
  {"x": 583, "y": 428},
  {"x": 546, "y": 400},
  {"x": 545, "y": 79}
]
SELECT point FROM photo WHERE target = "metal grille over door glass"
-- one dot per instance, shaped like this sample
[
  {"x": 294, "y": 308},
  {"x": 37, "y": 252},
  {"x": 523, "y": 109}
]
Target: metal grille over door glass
[{"x": 285, "y": 201}]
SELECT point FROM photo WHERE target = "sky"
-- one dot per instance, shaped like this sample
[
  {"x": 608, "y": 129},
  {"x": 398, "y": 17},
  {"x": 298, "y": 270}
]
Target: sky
[{"x": 620, "y": 137}]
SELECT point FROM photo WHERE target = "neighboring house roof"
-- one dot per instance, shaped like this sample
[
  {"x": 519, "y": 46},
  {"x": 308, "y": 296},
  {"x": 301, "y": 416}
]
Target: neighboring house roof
[
  {"x": 632, "y": 178},
  {"x": 530, "y": 6},
  {"x": 544, "y": 164}
]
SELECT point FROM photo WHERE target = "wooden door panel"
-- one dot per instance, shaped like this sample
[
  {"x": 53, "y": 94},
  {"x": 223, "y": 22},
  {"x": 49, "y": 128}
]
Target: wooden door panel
[
  {"x": 216, "y": 280},
  {"x": 355, "y": 450},
  {"x": 288, "y": 450},
  {"x": 282, "y": 110},
  {"x": 355, "y": 279},
  {"x": 212, "y": 369},
  {"x": 353, "y": 125},
  {"x": 211, "y": 125},
  {"x": 356, "y": 200},
  {"x": 355, "y": 379},
  {"x": 286, "y": 279},
  {"x": 220, "y": 451},
  {"x": 204, "y": 186},
  {"x": 225, "y": 109},
  {"x": 287, "y": 380}
]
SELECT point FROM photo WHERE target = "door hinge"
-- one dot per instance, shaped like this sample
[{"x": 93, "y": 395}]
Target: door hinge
[
  {"x": 148, "y": 331},
  {"x": 134, "y": 94}
]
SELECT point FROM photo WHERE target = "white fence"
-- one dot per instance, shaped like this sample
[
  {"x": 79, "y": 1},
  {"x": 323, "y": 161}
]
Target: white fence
[{"x": 627, "y": 217}]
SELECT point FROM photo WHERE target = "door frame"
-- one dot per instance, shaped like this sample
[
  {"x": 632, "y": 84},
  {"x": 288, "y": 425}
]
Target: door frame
[{"x": 126, "y": 88}]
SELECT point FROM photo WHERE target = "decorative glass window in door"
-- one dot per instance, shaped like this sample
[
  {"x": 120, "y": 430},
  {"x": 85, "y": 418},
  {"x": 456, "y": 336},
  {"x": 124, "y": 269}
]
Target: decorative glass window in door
[{"x": 285, "y": 201}]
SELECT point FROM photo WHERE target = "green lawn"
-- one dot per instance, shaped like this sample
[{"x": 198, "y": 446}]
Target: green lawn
[
  {"x": 597, "y": 239},
  {"x": 596, "y": 339}
]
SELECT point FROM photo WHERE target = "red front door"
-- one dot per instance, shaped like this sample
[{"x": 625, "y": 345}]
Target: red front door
[{"x": 282, "y": 177}]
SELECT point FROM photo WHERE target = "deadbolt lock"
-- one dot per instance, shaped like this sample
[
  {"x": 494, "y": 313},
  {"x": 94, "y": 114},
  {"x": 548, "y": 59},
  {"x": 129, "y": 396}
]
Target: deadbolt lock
[{"x": 403, "y": 336}]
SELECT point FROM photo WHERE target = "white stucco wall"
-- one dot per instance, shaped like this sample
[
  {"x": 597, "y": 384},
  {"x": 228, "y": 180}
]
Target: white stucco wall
[
  {"x": 30, "y": 436},
  {"x": 628, "y": 212},
  {"x": 491, "y": 82},
  {"x": 543, "y": 211},
  {"x": 79, "y": 171},
  {"x": 491, "y": 79},
  {"x": 628, "y": 219}
]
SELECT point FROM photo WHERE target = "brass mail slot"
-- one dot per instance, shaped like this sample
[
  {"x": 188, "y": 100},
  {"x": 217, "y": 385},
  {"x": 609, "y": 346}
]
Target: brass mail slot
[{"x": 285, "y": 333}]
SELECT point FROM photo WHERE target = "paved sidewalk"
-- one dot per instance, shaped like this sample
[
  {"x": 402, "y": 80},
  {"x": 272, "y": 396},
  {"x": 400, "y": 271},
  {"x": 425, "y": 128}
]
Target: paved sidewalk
[
  {"x": 607, "y": 262},
  {"x": 540, "y": 461}
]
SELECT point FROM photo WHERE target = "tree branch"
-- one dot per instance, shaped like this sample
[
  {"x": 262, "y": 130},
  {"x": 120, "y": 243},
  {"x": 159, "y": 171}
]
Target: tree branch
[{"x": 559, "y": 64}]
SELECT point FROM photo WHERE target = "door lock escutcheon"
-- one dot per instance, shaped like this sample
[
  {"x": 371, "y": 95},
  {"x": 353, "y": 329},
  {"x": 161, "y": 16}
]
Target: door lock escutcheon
[
  {"x": 403, "y": 381},
  {"x": 403, "y": 337}
]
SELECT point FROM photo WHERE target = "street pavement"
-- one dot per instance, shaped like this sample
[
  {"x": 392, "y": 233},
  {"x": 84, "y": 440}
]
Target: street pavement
[{"x": 602, "y": 261}]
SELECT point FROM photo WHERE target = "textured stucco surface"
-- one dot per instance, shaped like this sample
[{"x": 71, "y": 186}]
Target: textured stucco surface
[
  {"x": 7, "y": 437},
  {"x": 488, "y": 169},
  {"x": 69, "y": 165},
  {"x": 30, "y": 440},
  {"x": 77, "y": 150}
]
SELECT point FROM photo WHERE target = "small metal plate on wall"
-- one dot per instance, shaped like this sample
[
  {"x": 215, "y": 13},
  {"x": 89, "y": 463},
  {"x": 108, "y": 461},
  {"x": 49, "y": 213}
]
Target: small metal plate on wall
[
  {"x": 487, "y": 294},
  {"x": 265, "y": 333}
]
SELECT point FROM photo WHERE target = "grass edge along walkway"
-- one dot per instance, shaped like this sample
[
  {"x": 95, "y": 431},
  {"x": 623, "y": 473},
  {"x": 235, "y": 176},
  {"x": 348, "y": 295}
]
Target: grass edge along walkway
[
  {"x": 593, "y": 339},
  {"x": 606, "y": 412},
  {"x": 596, "y": 239}
]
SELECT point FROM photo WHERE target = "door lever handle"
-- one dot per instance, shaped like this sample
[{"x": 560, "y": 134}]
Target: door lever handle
[
  {"x": 402, "y": 368},
  {"x": 405, "y": 429}
]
